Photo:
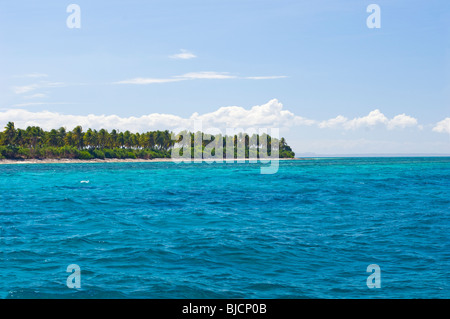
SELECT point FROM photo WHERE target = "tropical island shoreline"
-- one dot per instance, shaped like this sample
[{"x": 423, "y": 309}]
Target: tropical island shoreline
[
  {"x": 120, "y": 160},
  {"x": 35, "y": 145}
]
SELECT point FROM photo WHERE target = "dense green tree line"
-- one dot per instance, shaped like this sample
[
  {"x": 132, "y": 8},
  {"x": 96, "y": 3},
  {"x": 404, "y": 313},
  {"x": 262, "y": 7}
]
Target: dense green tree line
[{"x": 35, "y": 143}]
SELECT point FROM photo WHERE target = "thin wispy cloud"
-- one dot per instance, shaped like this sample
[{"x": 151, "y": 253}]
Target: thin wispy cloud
[
  {"x": 183, "y": 55},
  {"x": 272, "y": 77},
  {"x": 39, "y": 104},
  {"x": 31, "y": 87},
  {"x": 142, "y": 81},
  {"x": 207, "y": 75},
  {"x": 25, "y": 88},
  {"x": 32, "y": 75},
  {"x": 36, "y": 96},
  {"x": 203, "y": 75}
]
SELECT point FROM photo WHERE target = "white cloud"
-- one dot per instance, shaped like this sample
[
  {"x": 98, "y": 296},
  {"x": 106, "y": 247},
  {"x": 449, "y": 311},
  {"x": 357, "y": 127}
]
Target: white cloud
[
  {"x": 33, "y": 75},
  {"x": 31, "y": 87},
  {"x": 178, "y": 78},
  {"x": 39, "y": 103},
  {"x": 36, "y": 75},
  {"x": 270, "y": 115},
  {"x": 207, "y": 75},
  {"x": 270, "y": 77},
  {"x": 28, "y": 104},
  {"x": 183, "y": 55},
  {"x": 36, "y": 96},
  {"x": 443, "y": 126},
  {"x": 49, "y": 120},
  {"x": 24, "y": 88},
  {"x": 373, "y": 119},
  {"x": 147, "y": 81},
  {"x": 331, "y": 123},
  {"x": 402, "y": 121}
]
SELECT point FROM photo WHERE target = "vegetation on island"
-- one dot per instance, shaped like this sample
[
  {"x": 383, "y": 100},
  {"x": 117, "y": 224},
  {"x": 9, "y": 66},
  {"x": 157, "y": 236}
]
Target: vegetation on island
[{"x": 36, "y": 143}]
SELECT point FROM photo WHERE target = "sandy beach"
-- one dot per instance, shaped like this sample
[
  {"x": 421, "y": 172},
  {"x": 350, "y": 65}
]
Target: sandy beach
[{"x": 109, "y": 160}]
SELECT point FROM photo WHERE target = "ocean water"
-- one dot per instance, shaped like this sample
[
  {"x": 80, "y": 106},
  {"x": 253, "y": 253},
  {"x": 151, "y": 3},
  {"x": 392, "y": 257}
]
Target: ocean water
[{"x": 166, "y": 230}]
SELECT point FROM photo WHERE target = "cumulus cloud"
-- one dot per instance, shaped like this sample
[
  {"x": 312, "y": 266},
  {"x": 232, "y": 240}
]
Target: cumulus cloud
[
  {"x": 402, "y": 121},
  {"x": 267, "y": 115},
  {"x": 331, "y": 123},
  {"x": 183, "y": 55},
  {"x": 270, "y": 114},
  {"x": 50, "y": 120},
  {"x": 373, "y": 119},
  {"x": 443, "y": 126}
]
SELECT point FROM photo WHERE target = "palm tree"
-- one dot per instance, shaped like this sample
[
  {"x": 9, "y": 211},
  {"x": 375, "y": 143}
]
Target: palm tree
[
  {"x": 40, "y": 142},
  {"x": 88, "y": 138},
  {"x": 151, "y": 140},
  {"x": 103, "y": 137},
  {"x": 52, "y": 138},
  {"x": 120, "y": 140},
  {"x": 113, "y": 138},
  {"x": 61, "y": 136},
  {"x": 20, "y": 137},
  {"x": 68, "y": 139},
  {"x": 127, "y": 139},
  {"x": 168, "y": 142},
  {"x": 10, "y": 133},
  {"x": 135, "y": 139},
  {"x": 34, "y": 135},
  {"x": 159, "y": 139},
  {"x": 77, "y": 136},
  {"x": 95, "y": 139},
  {"x": 144, "y": 141}
]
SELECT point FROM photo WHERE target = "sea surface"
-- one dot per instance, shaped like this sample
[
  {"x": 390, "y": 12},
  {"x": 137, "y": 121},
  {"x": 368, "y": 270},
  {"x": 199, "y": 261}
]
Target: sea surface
[{"x": 166, "y": 230}]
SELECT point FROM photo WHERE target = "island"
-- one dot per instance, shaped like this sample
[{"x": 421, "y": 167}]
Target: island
[{"x": 56, "y": 144}]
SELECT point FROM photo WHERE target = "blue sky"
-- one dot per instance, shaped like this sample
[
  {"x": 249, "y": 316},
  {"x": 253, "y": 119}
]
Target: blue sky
[{"x": 318, "y": 59}]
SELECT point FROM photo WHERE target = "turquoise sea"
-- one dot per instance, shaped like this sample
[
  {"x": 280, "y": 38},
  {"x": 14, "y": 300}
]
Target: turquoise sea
[{"x": 166, "y": 230}]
